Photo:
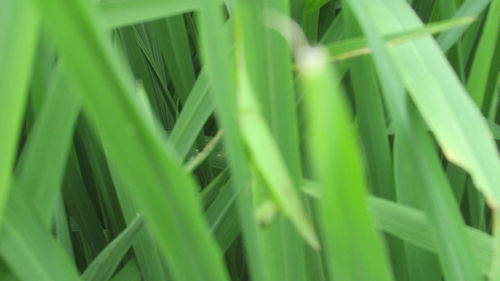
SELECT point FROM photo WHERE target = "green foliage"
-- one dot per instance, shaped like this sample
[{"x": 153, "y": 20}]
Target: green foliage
[{"x": 241, "y": 140}]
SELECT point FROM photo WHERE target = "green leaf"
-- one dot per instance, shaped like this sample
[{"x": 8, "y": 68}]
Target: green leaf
[
  {"x": 148, "y": 258},
  {"x": 103, "y": 266},
  {"x": 266, "y": 156},
  {"x": 359, "y": 46},
  {"x": 16, "y": 56},
  {"x": 5, "y": 273},
  {"x": 130, "y": 272},
  {"x": 457, "y": 124},
  {"x": 173, "y": 41},
  {"x": 269, "y": 68},
  {"x": 197, "y": 108},
  {"x": 484, "y": 70},
  {"x": 215, "y": 49},
  {"x": 118, "y": 13},
  {"x": 313, "y": 5},
  {"x": 468, "y": 8},
  {"x": 412, "y": 226},
  {"x": 422, "y": 165},
  {"x": 421, "y": 263},
  {"x": 371, "y": 123},
  {"x": 222, "y": 218},
  {"x": 81, "y": 207},
  {"x": 43, "y": 160},
  {"x": 350, "y": 240},
  {"x": 133, "y": 144},
  {"x": 29, "y": 249}
]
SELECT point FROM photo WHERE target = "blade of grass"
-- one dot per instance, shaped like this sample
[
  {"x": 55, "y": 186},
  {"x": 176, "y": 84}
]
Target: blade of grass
[
  {"x": 222, "y": 217},
  {"x": 62, "y": 231},
  {"x": 422, "y": 265},
  {"x": 130, "y": 272},
  {"x": 173, "y": 41},
  {"x": 252, "y": 43},
  {"x": 43, "y": 160},
  {"x": 284, "y": 128},
  {"x": 470, "y": 37},
  {"x": 297, "y": 9},
  {"x": 476, "y": 207},
  {"x": 173, "y": 38},
  {"x": 447, "y": 9},
  {"x": 196, "y": 111},
  {"x": 421, "y": 161},
  {"x": 313, "y": 5},
  {"x": 334, "y": 32},
  {"x": 138, "y": 152},
  {"x": 215, "y": 48},
  {"x": 82, "y": 208},
  {"x": 198, "y": 107},
  {"x": 204, "y": 153},
  {"x": 269, "y": 68},
  {"x": 29, "y": 249},
  {"x": 358, "y": 46},
  {"x": 484, "y": 71},
  {"x": 211, "y": 191},
  {"x": 5, "y": 273},
  {"x": 103, "y": 266},
  {"x": 16, "y": 56},
  {"x": 148, "y": 44},
  {"x": 100, "y": 177},
  {"x": 43, "y": 70},
  {"x": 351, "y": 242},
  {"x": 310, "y": 24},
  {"x": 118, "y": 13},
  {"x": 371, "y": 124},
  {"x": 144, "y": 73},
  {"x": 468, "y": 8},
  {"x": 412, "y": 226},
  {"x": 327, "y": 14},
  {"x": 423, "y": 8},
  {"x": 468, "y": 142},
  {"x": 266, "y": 157},
  {"x": 443, "y": 95},
  {"x": 145, "y": 247},
  {"x": 495, "y": 104}
]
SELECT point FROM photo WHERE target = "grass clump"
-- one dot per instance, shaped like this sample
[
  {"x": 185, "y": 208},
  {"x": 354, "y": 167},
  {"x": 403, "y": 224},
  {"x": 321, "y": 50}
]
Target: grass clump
[{"x": 239, "y": 140}]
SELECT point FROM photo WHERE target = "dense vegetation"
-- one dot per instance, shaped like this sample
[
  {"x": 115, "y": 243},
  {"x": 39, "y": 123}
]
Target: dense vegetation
[{"x": 212, "y": 140}]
